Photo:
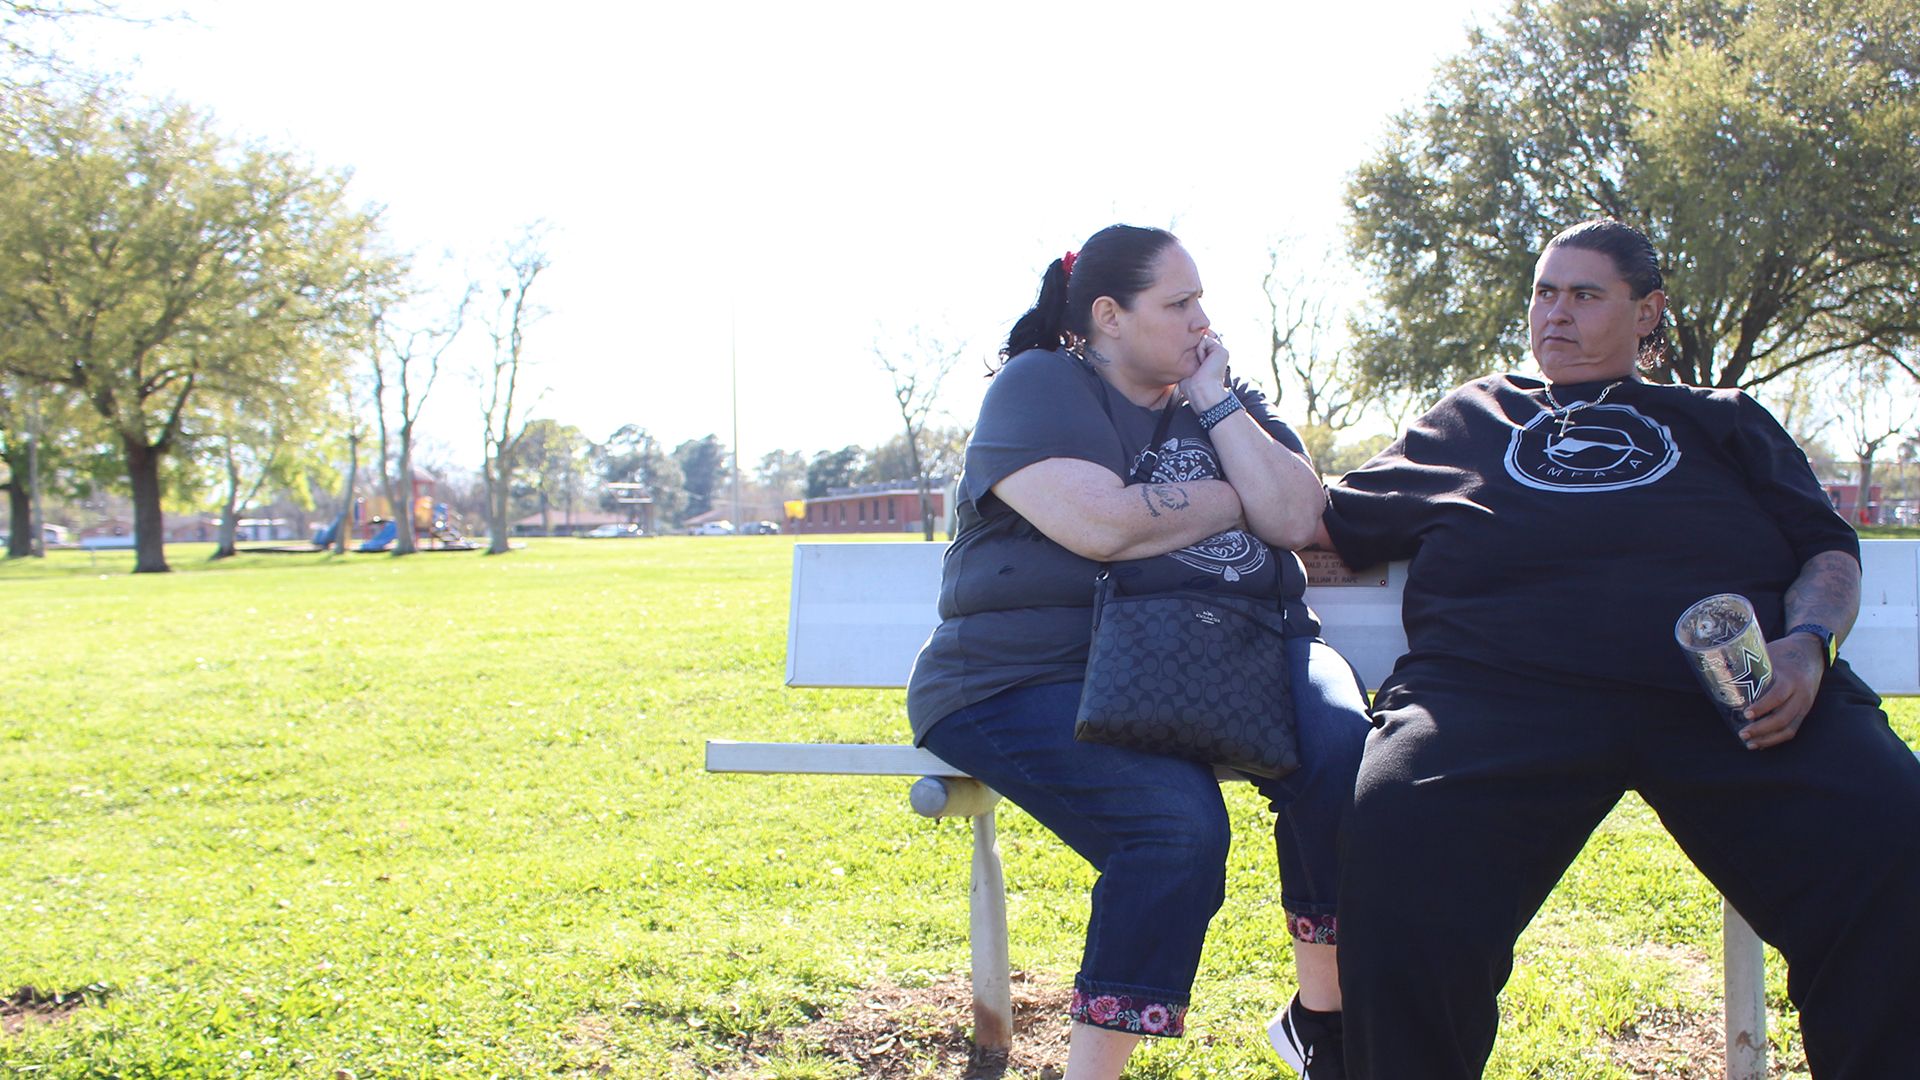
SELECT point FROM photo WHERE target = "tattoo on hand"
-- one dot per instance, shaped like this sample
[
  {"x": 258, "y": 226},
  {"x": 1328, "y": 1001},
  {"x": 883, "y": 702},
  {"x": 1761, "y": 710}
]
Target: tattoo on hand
[{"x": 1167, "y": 496}]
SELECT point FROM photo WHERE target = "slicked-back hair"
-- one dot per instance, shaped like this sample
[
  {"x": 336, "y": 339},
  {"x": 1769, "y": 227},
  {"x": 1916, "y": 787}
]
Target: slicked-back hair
[
  {"x": 1637, "y": 263},
  {"x": 1117, "y": 261}
]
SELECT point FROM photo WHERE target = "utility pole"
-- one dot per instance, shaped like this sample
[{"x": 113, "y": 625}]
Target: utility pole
[{"x": 733, "y": 363}]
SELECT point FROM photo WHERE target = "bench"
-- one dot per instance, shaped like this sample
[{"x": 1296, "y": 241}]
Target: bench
[{"x": 860, "y": 613}]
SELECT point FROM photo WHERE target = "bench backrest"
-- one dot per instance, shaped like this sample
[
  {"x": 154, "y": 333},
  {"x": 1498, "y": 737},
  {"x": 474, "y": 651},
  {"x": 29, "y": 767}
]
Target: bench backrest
[{"x": 860, "y": 613}]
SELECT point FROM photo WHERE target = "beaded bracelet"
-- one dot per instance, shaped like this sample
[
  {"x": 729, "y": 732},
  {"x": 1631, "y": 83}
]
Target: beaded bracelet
[{"x": 1227, "y": 407}]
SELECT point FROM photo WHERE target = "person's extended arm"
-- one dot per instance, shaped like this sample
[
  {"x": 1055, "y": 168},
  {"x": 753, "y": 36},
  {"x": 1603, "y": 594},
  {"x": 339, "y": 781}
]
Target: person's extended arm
[
  {"x": 1279, "y": 491},
  {"x": 1091, "y": 512},
  {"x": 1827, "y": 592}
]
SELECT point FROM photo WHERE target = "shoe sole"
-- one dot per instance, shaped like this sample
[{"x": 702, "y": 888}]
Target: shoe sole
[{"x": 1285, "y": 1041}]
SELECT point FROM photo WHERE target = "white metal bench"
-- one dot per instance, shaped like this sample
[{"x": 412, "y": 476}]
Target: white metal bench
[{"x": 860, "y": 613}]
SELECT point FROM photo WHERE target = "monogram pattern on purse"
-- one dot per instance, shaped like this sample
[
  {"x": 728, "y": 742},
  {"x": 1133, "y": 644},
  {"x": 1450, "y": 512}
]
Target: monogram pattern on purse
[{"x": 1192, "y": 676}]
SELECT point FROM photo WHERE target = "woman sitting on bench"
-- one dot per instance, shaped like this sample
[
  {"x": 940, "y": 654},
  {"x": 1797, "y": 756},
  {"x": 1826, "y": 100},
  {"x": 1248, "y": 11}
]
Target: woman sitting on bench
[{"x": 1117, "y": 336}]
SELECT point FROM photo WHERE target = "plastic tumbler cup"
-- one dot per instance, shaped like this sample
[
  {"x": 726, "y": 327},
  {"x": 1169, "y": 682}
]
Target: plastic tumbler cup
[{"x": 1722, "y": 639}]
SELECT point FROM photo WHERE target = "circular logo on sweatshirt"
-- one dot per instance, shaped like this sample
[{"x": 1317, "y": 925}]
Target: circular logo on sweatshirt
[{"x": 1599, "y": 448}]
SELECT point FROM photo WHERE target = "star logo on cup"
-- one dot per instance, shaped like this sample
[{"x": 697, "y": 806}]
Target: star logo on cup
[{"x": 1746, "y": 679}]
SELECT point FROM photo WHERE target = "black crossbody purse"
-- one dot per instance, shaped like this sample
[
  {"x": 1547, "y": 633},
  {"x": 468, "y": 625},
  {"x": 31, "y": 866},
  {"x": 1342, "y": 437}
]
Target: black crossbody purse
[{"x": 1188, "y": 674}]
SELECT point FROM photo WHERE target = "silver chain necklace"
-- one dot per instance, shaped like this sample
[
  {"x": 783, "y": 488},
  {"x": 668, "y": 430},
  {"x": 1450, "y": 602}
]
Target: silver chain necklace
[{"x": 1563, "y": 414}]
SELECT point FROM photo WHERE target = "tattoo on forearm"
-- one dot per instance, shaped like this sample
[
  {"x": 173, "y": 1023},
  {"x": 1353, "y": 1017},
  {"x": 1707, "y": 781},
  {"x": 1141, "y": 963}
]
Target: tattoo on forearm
[
  {"x": 1160, "y": 497},
  {"x": 1826, "y": 592}
]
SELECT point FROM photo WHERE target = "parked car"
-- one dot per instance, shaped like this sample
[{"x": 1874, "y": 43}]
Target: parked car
[
  {"x": 602, "y": 532},
  {"x": 761, "y": 528},
  {"x": 712, "y": 528}
]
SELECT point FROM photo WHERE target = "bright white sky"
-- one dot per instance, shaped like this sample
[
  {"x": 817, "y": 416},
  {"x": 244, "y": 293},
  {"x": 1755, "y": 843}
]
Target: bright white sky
[{"x": 803, "y": 179}]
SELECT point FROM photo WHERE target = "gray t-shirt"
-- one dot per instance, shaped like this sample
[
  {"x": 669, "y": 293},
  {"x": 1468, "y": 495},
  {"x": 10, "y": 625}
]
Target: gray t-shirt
[{"x": 1015, "y": 607}]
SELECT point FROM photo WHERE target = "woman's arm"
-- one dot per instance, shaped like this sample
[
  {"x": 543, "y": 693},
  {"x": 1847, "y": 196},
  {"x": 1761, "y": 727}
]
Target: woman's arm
[
  {"x": 1279, "y": 490},
  {"x": 1827, "y": 592},
  {"x": 1091, "y": 512}
]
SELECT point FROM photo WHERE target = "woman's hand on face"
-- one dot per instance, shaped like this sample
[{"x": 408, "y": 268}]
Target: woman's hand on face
[
  {"x": 1207, "y": 386},
  {"x": 1775, "y": 716}
]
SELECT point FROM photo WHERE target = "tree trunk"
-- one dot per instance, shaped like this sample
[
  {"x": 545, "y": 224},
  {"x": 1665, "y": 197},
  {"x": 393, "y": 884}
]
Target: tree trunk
[
  {"x": 546, "y": 513},
  {"x": 149, "y": 524},
  {"x": 229, "y": 512},
  {"x": 499, "y": 495},
  {"x": 404, "y": 542},
  {"x": 1863, "y": 513},
  {"x": 345, "y": 521},
  {"x": 19, "y": 515}
]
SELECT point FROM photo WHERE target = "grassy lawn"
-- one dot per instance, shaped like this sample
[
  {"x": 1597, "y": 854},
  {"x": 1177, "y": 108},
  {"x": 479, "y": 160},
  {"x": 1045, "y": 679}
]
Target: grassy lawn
[{"x": 445, "y": 816}]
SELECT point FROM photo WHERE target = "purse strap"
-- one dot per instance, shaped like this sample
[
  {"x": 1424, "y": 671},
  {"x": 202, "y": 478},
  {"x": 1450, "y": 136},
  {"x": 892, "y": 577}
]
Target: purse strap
[{"x": 1149, "y": 456}]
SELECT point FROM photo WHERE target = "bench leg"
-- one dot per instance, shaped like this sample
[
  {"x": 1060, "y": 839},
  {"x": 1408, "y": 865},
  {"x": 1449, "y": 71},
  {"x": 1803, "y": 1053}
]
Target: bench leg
[
  {"x": 987, "y": 904},
  {"x": 1746, "y": 997}
]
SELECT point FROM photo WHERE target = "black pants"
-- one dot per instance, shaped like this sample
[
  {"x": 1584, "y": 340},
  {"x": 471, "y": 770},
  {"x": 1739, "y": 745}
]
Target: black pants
[{"x": 1479, "y": 788}]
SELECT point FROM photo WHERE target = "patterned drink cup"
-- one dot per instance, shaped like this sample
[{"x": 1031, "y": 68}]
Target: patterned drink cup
[{"x": 1722, "y": 639}]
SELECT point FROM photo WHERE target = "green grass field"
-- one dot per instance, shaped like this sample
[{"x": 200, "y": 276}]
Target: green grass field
[{"x": 446, "y": 816}]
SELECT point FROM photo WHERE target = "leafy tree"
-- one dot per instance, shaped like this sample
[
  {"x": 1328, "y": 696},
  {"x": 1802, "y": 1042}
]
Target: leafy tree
[
  {"x": 942, "y": 452},
  {"x": 554, "y": 460},
  {"x": 632, "y": 455},
  {"x": 1767, "y": 147},
  {"x": 832, "y": 469},
  {"x": 783, "y": 472},
  {"x": 145, "y": 262},
  {"x": 704, "y": 466},
  {"x": 270, "y": 443}
]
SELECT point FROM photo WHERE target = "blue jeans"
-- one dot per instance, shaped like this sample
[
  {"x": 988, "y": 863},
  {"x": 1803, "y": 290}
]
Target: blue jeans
[{"x": 1156, "y": 828}]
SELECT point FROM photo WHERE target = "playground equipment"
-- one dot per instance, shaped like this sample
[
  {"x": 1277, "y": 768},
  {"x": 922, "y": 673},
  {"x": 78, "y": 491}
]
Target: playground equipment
[
  {"x": 383, "y": 539},
  {"x": 374, "y": 519}
]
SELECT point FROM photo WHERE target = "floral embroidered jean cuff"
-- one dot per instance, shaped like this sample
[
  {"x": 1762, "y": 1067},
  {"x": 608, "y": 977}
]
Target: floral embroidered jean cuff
[
  {"x": 1131, "y": 1013},
  {"x": 1315, "y": 929}
]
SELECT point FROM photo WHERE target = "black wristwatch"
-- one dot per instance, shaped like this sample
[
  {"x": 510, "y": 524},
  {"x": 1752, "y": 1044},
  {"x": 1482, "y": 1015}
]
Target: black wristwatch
[{"x": 1829, "y": 647}]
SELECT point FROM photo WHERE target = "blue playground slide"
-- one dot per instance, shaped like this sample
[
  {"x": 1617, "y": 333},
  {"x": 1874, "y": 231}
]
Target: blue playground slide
[
  {"x": 324, "y": 535},
  {"x": 383, "y": 539}
]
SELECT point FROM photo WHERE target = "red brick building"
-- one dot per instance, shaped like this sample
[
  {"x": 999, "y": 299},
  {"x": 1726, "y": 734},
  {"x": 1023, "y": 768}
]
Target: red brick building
[{"x": 870, "y": 508}]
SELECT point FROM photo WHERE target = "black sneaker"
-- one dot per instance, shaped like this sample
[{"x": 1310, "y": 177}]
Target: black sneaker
[{"x": 1310, "y": 1042}]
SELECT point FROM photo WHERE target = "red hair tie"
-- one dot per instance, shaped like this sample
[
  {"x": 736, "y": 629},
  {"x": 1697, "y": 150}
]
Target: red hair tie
[{"x": 1066, "y": 262}]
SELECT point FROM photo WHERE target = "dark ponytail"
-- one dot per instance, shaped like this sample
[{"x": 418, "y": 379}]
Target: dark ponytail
[
  {"x": 1117, "y": 261},
  {"x": 1637, "y": 264}
]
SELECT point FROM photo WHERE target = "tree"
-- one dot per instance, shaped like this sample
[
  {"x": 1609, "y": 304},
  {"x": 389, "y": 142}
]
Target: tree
[
  {"x": 916, "y": 372},
  {"x": 1305, "y": 352},
  {"x": 555, "y": 458},
  {"x": 147, "y": 263},
  {"x": 26, "y": 60},
  {"x": 505, "y": 414},
  {"x": 406, "y": 362},
  {"x": 704, "y": 466},
  {"x": 830, "y": 469},
  {"x": 1766, "y": 147},
  {"x": 269, "y": 442},
  {"x": 1875, "y": 408},
  {"x": 783, "y": 472},
  {"x": 632, "y": 455},
  {"x": 943, "y": 450}
]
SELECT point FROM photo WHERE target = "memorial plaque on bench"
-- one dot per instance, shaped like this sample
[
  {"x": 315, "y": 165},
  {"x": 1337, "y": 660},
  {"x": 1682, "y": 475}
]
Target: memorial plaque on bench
[{"x": 1325, "y": 568}]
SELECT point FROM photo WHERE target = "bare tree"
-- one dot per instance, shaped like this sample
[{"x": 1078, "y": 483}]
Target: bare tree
[
  {"x": 1306, "y": 350},
  {"x": 506, "y": 417},
  {"x": 916, "y": 374},
  {"x": 1876, "y": 408},
  {"x": 406, "y": 362}
]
